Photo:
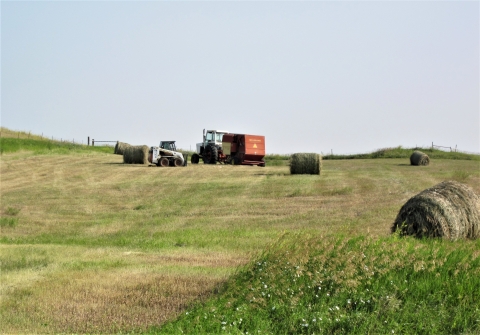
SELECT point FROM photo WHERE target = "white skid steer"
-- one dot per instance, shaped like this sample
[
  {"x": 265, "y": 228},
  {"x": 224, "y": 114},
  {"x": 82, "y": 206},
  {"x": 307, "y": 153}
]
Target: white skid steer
[{"x": 166, "y": 154}]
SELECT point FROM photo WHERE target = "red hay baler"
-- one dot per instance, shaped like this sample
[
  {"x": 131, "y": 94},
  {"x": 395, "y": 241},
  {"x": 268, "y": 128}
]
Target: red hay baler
[{"x": 243, "y": 149}]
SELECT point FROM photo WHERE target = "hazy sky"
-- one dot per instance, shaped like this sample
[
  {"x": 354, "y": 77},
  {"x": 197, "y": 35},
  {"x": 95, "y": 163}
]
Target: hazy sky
[{"x": 311, "y": 76}]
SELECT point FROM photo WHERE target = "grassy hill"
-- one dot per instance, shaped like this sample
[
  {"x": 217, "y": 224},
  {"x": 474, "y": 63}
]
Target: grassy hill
[
  {"x": 400, "y": 152},
  {"x": 91, "y": 245},
  {"x": 13, "y": 141}
]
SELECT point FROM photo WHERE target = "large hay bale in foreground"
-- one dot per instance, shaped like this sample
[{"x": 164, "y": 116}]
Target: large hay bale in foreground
[
  {"x": 305, "y": 163},
  {"x": 120, "y": 148},
  {"x": 419, "y": 158},
  {"x": 450, "y": 210},
  {"x": 137, "y": 154}
]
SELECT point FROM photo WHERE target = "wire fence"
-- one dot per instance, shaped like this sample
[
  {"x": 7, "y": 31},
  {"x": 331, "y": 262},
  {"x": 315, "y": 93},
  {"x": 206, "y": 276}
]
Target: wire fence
[
  {"x": 452, "y": 149},
  {"x": 441, "y": 147}
]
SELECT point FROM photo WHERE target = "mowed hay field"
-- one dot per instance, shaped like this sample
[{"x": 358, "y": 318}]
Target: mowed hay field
[{"x": 92, "y": 245}]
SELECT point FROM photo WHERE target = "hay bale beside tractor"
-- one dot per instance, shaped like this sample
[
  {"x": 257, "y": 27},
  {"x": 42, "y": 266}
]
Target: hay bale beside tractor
[
  {"x": 449, "y": 210},
  {"x": 136, "y": 155},
  {"x": 120, "y": 148},
  {"x": 305, "y": 163},
  {"x": 419, "y": 158}
]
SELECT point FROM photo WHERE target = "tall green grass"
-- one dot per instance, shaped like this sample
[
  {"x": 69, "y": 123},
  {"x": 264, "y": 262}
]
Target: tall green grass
[
  {"x": 45, "y": 146},
  {"x": 276, "y": 160},
  {"x": 337, "y": 285}
]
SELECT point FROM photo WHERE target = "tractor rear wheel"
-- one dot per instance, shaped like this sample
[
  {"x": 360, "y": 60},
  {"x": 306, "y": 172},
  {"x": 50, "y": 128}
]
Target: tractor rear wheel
[
  {"x": 164, "y": 162},
  {"x": 177, "y": 162},
  {"x": 195, "y": 159},
  {"x": 211, "y": 154}
]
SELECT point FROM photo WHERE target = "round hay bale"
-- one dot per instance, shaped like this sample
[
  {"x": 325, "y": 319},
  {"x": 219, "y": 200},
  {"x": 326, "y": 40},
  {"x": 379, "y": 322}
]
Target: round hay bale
[
  {"x": 120, "y": 148},
  {"x": 449, "y": 210},
  {"x": 136, "y": 155},
  {"x": 305, "y": 163},
  {"x": 419, "y": 158}
]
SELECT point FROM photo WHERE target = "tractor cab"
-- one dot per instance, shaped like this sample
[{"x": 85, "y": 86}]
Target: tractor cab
[
  {"x": 168, "y": 145},
  {"x": 213, "y": 137}
]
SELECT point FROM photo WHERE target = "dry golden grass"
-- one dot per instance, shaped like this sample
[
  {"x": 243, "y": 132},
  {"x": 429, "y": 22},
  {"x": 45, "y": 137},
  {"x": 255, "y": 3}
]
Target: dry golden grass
[
  {"x": 111, "y": 301},
  {"x": 105, "y": 247},
  {"x": 103, "y": 290},
  {"x": 8, "y": 133}
]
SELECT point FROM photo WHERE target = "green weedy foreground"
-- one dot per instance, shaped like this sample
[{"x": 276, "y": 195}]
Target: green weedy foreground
[
  {"x": 91, "y": 245},
  {"x": 325, "y": 285}
]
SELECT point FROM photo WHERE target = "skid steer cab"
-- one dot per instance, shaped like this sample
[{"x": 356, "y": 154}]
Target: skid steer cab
[{"x": 166, "y": 154}]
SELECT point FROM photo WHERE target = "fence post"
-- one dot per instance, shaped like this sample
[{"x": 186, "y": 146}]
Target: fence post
[
  {"x": 432, "y": 145},
  {"x": 88, "y": 141},
  {"x": 93, "y": 142}
]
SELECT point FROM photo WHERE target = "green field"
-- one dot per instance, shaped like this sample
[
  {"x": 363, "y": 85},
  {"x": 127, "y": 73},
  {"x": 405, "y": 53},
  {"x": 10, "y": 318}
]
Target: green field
[{"x": 91, "y": 245}]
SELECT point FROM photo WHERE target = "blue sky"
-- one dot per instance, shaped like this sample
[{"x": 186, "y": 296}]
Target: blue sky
[{"x": 311, "y": 76}]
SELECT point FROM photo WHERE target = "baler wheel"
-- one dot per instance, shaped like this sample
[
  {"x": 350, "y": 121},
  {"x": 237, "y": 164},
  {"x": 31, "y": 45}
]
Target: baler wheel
[
  {"x": 211, "y": 155},
  {"x": 164, "y": 162},
  {"x": 195, "y": 159}
]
